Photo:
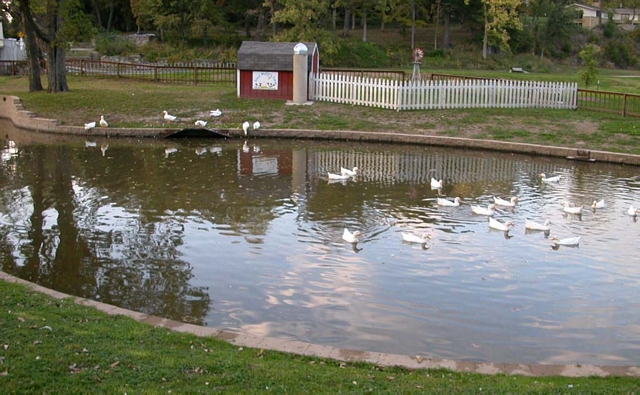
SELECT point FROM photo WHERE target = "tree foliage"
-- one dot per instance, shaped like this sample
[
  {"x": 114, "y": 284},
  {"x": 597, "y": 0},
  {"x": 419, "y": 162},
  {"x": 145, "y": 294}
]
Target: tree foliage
[
  {"x": 305, "y": 20},
  {"x": 589, "y": 72}
]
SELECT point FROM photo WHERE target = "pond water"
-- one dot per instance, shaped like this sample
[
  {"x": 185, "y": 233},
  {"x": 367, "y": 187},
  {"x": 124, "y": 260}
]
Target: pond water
[{"x": 247, "y": 236}]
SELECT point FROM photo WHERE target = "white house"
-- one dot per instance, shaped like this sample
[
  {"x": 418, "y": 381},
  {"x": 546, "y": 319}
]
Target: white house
[
  {"x": 627, "y": 17},
  {"x": 590, "y": 15}
]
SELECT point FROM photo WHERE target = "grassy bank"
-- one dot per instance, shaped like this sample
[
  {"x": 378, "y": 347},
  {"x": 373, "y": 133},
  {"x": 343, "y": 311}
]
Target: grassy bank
[
  {"x": 140, "y": 104},
  {"x": 56, "y": 346}
]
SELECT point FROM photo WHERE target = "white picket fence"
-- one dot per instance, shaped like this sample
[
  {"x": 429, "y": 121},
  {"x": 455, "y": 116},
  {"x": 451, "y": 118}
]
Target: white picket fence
[{"x": 442, "y": 94}]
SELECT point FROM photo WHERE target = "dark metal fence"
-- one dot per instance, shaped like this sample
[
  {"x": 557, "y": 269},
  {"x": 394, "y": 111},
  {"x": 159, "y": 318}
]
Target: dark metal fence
[
  {"x": 386, "y": 74},
  {"x": 193, "y": 74},
  {"x": 14, "y": 67}
]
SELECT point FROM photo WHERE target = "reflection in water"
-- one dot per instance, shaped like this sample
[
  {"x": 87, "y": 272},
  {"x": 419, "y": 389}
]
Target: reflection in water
[{"x": 247, "y": 235}]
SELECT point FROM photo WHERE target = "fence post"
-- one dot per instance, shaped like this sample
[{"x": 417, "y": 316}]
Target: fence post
[
  {"x": 155, "y": 73},
  {"x": 81, "y": 66},
  {"x": 624, "y": 105},
  {"x": 118, "y": 69},
  {"x": 195, "y": 75}
]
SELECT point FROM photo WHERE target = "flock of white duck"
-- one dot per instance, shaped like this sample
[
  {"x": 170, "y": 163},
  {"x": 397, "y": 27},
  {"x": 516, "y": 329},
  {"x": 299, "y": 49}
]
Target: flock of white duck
[
  {"x": 355, "y": 236},
  {"x": 172, "y": 118}
]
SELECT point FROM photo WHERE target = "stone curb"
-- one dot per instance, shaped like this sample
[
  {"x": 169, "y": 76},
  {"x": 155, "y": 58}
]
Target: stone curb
[
  {"x": 340, "y": 354},
  {"x": 11, "y": 108}
]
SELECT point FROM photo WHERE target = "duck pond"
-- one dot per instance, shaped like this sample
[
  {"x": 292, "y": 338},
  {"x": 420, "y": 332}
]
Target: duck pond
[{"x": 247, "y": 236}]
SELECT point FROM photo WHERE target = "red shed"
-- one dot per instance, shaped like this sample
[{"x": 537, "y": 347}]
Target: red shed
[{"x": 265, "y": 69}]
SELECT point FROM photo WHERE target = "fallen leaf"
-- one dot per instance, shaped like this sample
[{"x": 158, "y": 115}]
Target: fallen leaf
[
  {"x": 5, "y": 373},
  {"x": 475, "y": 345},
  {"x": 312, "y": 363},
  {"x": 419, "y": 387},
  {"x": 419, "y": 359},
  {"x": 113, "y": 365},
  {"x": 37, "y": 342},
  {"x": 391, "y": 378},
  {"x": 20, "y": 319},
  {"x": 343, "y": 365},
  {"x": 260, "y": 353}
]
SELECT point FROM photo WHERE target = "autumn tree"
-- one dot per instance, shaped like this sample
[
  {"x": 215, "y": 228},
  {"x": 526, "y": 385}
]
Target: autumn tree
[
  {"x": 305, "y": 18},
  {"x": 498, "y": 17}
]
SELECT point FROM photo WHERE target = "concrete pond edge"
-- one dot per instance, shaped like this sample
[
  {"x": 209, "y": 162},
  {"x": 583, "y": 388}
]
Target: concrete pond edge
[
  {"x": 11, "y": 108},
  {"x": 341, "y": 354}
]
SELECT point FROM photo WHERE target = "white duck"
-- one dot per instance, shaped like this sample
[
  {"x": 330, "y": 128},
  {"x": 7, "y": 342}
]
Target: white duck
[
  {"x": 351, "y": 237},
  {"x": 215, "y": 113},
  {"x": 201, "y": 124},
  {"x": 532, "y": 225},
  {"x": 167, "y": 117},
  {"x": 598, "y": 204},
  {"x": 334, "y": 176},
  {"x": 245, "y": 127},
  {"x": 507, "y": 203},
  {"x": 544, "y": 178},
  {"x": 572, "y": 210},
  {"x": 632, "y": 211},
  {"x": 103, "y": 122},
  {"x": 256, "y": 125},
  {"x": 570, "y": 241},
  {"x": 411, "y": 238},
  {"x": 484, "y": 211},
  {"x": 169, "y": 151},
  {"x": 350, "y": 173},
  {"x": 449, "y": 203},
  {"x": 435, "y": 184},
  {"x": 90, "y": 125},
  {"x": 495, "y": 224}
]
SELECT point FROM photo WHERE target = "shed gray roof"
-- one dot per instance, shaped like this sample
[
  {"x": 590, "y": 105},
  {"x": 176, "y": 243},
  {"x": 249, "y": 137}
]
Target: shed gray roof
[{"x": 270, "y": 56}]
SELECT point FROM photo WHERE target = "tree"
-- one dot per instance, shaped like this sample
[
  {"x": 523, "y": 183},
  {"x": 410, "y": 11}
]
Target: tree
[
  {"x": 305, "y": 18},
  {"x": 498, "y": 17},
  {"x": 62, "y": 21},
  {"x": 589, "y": 73}
]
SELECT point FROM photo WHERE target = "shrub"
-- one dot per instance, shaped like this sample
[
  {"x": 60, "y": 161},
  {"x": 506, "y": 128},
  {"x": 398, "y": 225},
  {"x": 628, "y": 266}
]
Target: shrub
[
  {"x": 358, "y": 54},
  {"x": 114, "y": 45}
]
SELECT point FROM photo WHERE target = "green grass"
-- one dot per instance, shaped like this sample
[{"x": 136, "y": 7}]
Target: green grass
[
  {"x": 128, "y": 103},
  {"x": 56, "y": 346}
]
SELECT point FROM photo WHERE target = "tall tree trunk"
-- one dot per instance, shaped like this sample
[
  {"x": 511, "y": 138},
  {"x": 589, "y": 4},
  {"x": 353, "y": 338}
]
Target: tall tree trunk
[
  {"x": 247, "y": 24},
  {"x": 435, "y": 32},
  {"x": 364, "y": 25},
  {"x": 33, "y": 53},
  {"x": 57, "y": 53},
  {"x": 334, "y": 15},
  {"x": 485, "y": 38},
  {"x": 413, "y": 25},
  {"x": 274, "y": 25},
  {"x": 345, "y": 25},
  {"x": 446, "y": 38},
  {"x": 112, "y": 7},
  {"x": 57, "y": 72},
  {"x": 353, "y": 21},
  {"x": 260, "y": 28},
  {"x": 96, "y": 8}
]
